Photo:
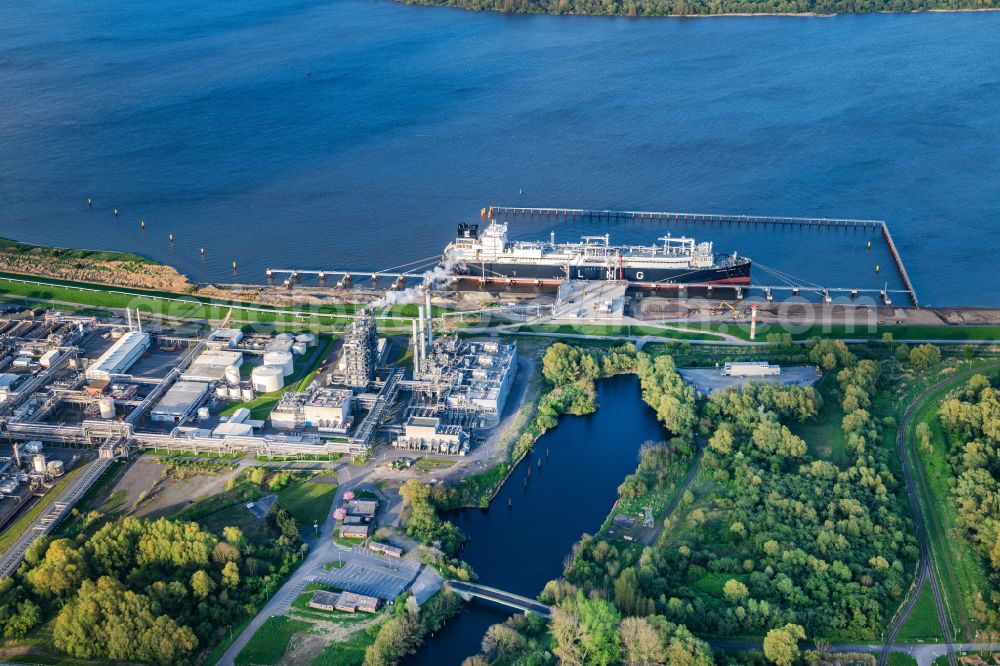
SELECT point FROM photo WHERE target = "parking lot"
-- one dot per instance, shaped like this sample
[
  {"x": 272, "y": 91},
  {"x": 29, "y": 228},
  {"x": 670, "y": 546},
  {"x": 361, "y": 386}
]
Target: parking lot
[
  {"x": 372, "y": 575},
  {"x": 706, "y": 380}
]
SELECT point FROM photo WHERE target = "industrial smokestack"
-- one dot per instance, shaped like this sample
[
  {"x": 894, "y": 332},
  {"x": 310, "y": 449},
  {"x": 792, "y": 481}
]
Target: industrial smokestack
[
  {"x": 128, "y": 313},
  {"x": 430, "y": 317},
  {"x": 753, "y": 321},
  {"x": 138, "y": 321},
  {"x": 17, "y": 455},
  {"x": 422, "y": 348},
  {"x": 416, "y": 349}
]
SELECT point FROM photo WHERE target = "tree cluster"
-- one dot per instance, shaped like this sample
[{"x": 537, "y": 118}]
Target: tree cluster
[
  {"x": 401, "y": 635},
  {"x": 155, "y": 591},
  {"x": 790, "y": 540},
  {"x": 706, "y": 7},
  {"x": 971, "y": 421}
]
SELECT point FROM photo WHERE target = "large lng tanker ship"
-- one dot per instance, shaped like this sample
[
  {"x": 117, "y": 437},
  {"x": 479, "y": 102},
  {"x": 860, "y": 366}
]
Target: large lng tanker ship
[{"x": 489, "y": 256}]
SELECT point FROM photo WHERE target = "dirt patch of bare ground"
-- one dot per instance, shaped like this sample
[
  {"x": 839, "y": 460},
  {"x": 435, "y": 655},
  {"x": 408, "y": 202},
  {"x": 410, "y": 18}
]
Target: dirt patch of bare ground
[
  {"x": 169, "y": 495},
  {"x": 307, "y": 645}
]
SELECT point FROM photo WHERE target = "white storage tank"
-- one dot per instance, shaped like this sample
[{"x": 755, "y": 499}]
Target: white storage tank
[
  {"x": 285, "y": 336},
  {"x": 234, "y": 392},
  {"x": 246, "y": 393},
  {"x": 232, "y": 375},
  {"x": 298, "y": 348},
  {"x": 267, "y": 378},
  {"x": 38, "y": 464},
  {"x": 203, "y": 413},
  {"x": 56, "y": 468},
  {"x": 222, "y": 391},
  {"x": 283, "y": 360},
  {"x": 106, "y": 405},
  {"x": 308, "y": 339}
]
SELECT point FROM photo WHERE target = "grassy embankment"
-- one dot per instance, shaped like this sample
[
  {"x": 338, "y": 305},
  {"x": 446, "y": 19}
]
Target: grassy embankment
[
  {"x": 183, "y": 305},
  {"x": 900, "y": 332},
  {"x": 271, "y": 641},
  {"x": 961, "y": 573}
]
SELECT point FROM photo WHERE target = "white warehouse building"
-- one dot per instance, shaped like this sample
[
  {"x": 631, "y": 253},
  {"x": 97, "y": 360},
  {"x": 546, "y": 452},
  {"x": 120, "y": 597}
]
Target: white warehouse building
[
  {"x": 119, "y": 357},
  {"x": 178, "y": 402}
]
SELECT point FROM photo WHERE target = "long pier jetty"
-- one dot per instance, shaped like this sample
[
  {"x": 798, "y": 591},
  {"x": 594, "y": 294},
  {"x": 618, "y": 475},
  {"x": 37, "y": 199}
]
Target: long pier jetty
[{"x": 720, "y": 218}]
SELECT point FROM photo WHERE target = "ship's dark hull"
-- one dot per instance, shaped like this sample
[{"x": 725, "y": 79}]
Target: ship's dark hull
[{"x": 738, "y": 274}]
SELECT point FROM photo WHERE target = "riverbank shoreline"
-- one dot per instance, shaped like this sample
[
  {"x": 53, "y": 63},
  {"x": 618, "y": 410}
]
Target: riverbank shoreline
[{"x": 936, "y": 10}]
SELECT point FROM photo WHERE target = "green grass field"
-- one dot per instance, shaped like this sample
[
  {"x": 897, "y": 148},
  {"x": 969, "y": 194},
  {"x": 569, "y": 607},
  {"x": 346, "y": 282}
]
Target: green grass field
[
  {"x": 271, "y": 641},
  {"x": 347, "y": 653},
  {"x": 900, "y": 659},
  {"x": 824, "y": 436},
  {"x": 432, "y": 464},
  {"x": 309, "y": 501},
  {"x": 922, "y": 625},
  {"x": 959, "y": 569}
]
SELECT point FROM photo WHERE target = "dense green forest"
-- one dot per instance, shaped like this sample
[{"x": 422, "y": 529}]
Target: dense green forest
[
  {"x": 707, "y": 7},
  {"x": 778, "y": 543},
  {"x": 971, "y": 421},
  {"x": 159, "y": 591}
]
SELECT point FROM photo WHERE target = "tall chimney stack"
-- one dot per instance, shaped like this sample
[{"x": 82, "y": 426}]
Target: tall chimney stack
[
  {"x": 753, "y": 321},
  {"x": 422, "y": 348},
  {"x": 416, "y": 349},
  {"x": 430, "y": 316}
]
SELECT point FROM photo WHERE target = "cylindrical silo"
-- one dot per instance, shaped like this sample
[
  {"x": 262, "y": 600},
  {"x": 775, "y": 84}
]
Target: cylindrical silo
[
  {"x": 246, "y": 393},
  {"x": 283, "y": 360},
  {"x": 106, "y": 405},
  {"x": 308, "y": 339},
  {"x": 298, "y": 348},
  {"x": 222, "y": 391},
  {"x": 232, "y": 375},
  {"x": 284, "y": 336},
  {"x": 267, "y": 378},
  {"x": 203, "y": 413},
  {"x": 55, "y": 467},
  {"x": 234, "y": 392},
  {"x": 38, "y": 463}
]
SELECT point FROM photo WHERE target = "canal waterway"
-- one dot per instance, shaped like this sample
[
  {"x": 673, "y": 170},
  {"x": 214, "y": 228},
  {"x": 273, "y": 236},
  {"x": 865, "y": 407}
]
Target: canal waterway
[
  {"x": 520, "y": 548},
  {"x": 357, "y": 133}
]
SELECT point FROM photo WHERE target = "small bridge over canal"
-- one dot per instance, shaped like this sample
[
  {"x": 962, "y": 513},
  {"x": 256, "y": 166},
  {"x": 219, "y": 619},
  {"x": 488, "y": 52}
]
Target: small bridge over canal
[{"x": 469, "y": 591}]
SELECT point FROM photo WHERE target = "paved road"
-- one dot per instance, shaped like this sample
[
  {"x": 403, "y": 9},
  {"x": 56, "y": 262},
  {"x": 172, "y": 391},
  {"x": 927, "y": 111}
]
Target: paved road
[
  {"x": 926, "y": 573},
  {"x": 924, "y": 654},
  {"x": 324, "y": 550}
]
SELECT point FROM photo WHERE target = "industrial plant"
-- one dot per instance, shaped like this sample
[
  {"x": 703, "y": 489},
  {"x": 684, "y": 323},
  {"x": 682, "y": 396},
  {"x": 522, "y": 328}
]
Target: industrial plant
[{"x": 77, "y": 384}]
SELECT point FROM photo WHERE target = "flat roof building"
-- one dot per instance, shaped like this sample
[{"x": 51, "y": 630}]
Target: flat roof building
[
  {"x": 427, "y": 433},
  {"x": 211, "y": 365},
  {"x": 750, "y": 369},
  {"x": 224, "y": 338},
  {"x": 179, "y": 401},
  {"x": 327, "y": 409},
  {"x": 119, "y": 357}
]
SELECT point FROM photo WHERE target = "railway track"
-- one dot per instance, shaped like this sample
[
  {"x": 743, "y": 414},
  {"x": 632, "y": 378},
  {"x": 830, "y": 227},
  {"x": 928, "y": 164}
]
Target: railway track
[{"x": 926, "y": 573}]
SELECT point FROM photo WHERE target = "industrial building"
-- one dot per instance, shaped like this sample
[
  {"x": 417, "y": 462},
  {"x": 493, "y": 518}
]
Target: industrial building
[
  {"x": 427, "y": 433},
  {"x": 750, "y": 369},
  {"x": 179, "y": 401},
  {"x": 119, "y": 357},
  {"x": 467, "y": 382},
  {"x": 212, "y": 365},
  {"x": 224, "y": 338},
  {"x": 359, "y": 357},
  {"x": 327, "y": 409}
]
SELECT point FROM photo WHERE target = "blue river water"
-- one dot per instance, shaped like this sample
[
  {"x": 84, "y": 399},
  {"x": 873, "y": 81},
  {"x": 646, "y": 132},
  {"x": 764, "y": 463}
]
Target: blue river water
[
  {"x": 522, "y": 540},
  {"x": 357, "y": 133}
]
